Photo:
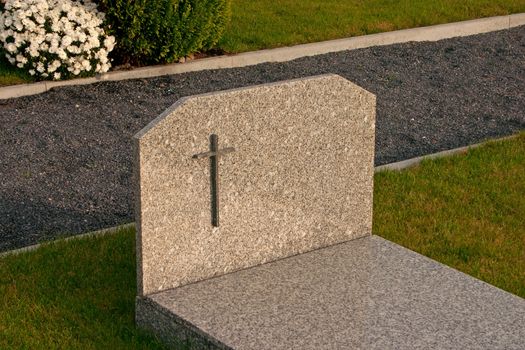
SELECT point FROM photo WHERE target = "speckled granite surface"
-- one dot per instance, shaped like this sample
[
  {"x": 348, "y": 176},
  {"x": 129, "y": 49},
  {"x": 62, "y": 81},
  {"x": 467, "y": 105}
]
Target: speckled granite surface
[
  {"x": 301, "y": 178},
  {"x": 368, "y": 293}
]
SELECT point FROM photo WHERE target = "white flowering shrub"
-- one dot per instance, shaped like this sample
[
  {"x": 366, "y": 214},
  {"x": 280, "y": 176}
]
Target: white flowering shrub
[{"x": 55, "y": 39}]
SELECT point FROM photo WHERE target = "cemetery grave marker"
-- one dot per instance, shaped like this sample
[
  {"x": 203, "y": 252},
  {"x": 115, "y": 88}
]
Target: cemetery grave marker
[
  {"x": 300, "y": 178},
  {"x": 285, "y": 269}
]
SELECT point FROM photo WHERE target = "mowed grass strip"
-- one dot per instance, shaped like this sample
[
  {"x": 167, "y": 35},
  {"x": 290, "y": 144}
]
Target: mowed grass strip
[
  {"x": 273, "y": 23},
  {"x": 465, "y": 211}
]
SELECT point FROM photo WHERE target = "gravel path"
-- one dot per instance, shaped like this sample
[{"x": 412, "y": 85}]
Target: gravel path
[{"x": 65, "y": 156}]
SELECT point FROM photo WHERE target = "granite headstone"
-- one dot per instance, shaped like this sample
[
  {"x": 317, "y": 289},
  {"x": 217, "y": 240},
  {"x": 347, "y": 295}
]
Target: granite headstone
[{"x": 294, "y": 174}]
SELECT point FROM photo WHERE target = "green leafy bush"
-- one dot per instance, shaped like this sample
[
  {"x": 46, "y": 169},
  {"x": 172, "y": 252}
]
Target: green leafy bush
[{"x": 162, "y": 31}]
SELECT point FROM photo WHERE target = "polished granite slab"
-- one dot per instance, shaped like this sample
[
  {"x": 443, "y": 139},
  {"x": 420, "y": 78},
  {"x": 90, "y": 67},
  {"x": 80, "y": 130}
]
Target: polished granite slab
[{"x": 367, "y": 293}]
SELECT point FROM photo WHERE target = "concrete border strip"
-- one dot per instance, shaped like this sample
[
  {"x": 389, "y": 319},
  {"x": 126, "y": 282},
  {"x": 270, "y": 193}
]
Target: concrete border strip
[
  {"x": 392, "y": 166},
  {"x": 430, "y": 33},
  {"x": 415, "y": 161},
  {"x": 98, "y": 233},
  {"x": 408, "y": 163}
]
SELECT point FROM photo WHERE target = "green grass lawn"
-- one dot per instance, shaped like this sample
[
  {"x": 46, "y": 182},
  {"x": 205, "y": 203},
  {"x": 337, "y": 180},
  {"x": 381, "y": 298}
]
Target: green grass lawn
[
  {"x": 273, "y": 23},
  {"x": 77, "y": 294},
  {"x": 465, "y": 211}
]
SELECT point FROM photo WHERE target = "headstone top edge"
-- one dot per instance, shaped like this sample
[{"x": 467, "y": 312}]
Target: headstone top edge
[
  {"x": 161, "y": 117},
  {"x": 180, "y": 102}
]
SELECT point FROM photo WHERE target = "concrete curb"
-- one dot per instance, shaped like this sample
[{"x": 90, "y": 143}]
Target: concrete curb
[
  {"x": 102, "y": 232},
  {"x": 415, "y": 161},
  {"x": 392, "y": 166},
  {"x": 430, "y": 33}
]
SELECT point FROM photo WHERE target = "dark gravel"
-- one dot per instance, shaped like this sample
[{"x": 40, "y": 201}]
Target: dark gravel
[{"x": 65, "y": 156}]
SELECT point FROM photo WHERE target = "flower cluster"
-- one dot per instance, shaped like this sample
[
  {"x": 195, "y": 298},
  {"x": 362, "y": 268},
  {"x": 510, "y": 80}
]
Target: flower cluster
[{"x": 55, "y": 39}]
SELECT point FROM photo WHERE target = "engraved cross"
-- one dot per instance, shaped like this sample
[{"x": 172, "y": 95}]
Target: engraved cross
[{"x": 214, "y": 155}]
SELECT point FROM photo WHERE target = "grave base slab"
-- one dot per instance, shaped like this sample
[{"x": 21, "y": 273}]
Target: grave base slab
[{"x": 367, "y": 293}]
